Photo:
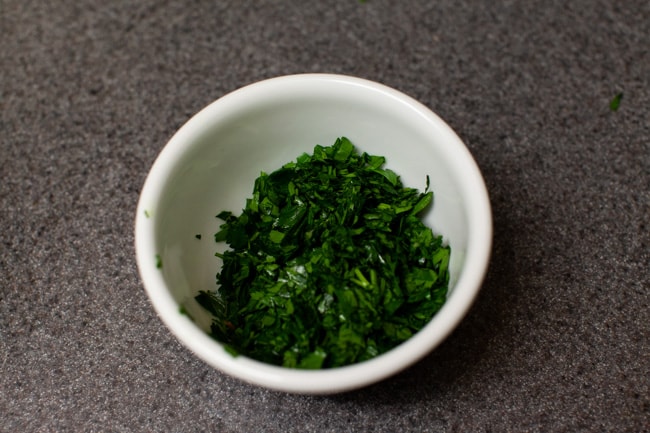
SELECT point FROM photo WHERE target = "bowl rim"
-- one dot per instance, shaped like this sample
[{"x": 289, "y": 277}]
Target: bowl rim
[{"x": 338, "y": 379}]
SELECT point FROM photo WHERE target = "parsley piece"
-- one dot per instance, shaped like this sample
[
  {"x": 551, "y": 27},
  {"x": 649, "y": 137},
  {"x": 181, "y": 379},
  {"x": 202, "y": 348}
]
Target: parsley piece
[
  {"x": 329, "y": 263},
  {"x": 158, "y": 261},
  {"x": 182, "y": 310},
  {"x": 616, "y": 102},
  {"x": 198, "y": 236}
]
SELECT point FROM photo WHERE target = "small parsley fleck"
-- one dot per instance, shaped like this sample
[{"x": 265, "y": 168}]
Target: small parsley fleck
[
  {"x": 182, "y": 310},
  {"x": 158, "y": 261},
  {"x": 616, "y": 102},
  {"x": 198, "y": 236}
]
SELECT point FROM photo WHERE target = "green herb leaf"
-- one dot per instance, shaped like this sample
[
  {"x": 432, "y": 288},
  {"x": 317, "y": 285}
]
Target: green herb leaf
[
  {"x": 182, "y": 310},
  {"x": 616, "y": 102},
  {"x": 424, "y": 201}
]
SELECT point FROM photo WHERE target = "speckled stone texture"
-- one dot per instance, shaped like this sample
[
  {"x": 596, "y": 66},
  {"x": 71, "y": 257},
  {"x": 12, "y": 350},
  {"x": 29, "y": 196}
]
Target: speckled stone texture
[{"x": 559, "y": 339}]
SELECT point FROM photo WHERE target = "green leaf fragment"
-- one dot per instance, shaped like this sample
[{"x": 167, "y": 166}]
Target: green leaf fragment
[
  {"x": 616, "y": 102},
  {"x": 231, "y": 350},
  {"x": 424, "y": 202},
  {"x": 390, "y": 175},
  {"x": 182, "y": 310},
  {"x": 344, "y": 149},
  {"x": 313, "y": 360},
  {"x": 276, "y": 236}
]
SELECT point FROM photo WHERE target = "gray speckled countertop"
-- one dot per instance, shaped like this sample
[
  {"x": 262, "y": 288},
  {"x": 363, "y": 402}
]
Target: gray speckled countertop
[{"x": 559, "y": 339}]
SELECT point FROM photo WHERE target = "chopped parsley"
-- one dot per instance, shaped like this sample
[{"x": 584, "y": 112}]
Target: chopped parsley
[
  {"x": 158, "y": 261},
  {"x": 616, "y": 102},
  {"x": 198, "y": 236},
  {"x": 182, "y": 310},
  {"x": 329, "y": 263}
]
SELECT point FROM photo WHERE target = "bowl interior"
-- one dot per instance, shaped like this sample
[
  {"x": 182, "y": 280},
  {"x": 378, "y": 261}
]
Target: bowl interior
[{"x": 211, "y": 163}]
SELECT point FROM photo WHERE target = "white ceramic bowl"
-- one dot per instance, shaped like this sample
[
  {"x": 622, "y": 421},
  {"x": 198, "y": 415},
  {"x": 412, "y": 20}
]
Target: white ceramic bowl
[{"x": 210, "y": 164}]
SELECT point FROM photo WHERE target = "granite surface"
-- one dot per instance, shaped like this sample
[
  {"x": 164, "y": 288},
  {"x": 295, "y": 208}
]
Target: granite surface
[{"x": 559, "y": 339}]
